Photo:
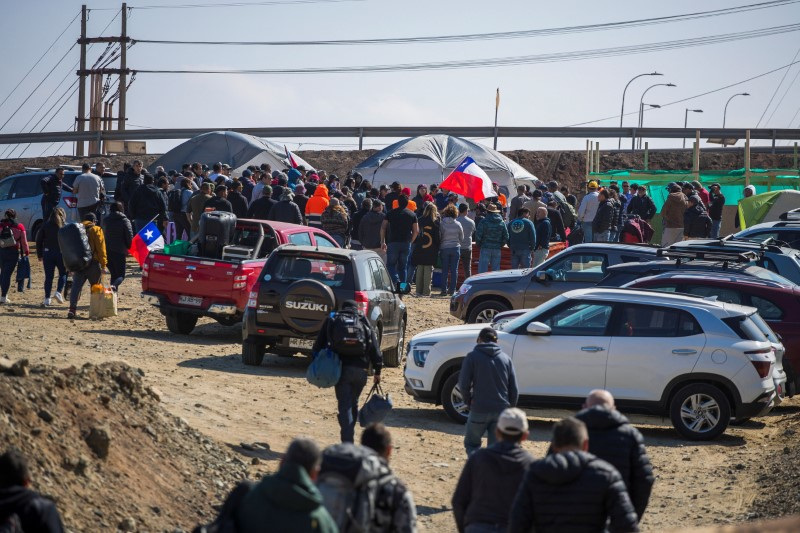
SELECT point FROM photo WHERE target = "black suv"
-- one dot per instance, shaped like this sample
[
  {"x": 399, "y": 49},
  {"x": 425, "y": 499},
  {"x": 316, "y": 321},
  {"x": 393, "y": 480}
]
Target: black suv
[{"x": 300, "y": 286}]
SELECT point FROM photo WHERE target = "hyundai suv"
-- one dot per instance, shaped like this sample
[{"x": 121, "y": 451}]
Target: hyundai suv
[
  {"x": 700, "y": 362},
  {"x": 300, "y": 286},
  {"x": 482, "y": 296}
]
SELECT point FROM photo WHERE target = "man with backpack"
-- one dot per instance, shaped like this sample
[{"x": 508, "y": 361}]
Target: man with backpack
[
  {"x": 22, "y": 509},
  {"x": 349, "y": 335},
  {"x": 568, "y": 214},
  {"x": 284, "y": 501}
]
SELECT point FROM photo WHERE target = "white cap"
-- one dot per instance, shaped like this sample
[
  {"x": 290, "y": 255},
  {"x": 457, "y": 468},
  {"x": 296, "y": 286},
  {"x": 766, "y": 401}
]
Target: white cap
[{"x": 512, "y": 421}]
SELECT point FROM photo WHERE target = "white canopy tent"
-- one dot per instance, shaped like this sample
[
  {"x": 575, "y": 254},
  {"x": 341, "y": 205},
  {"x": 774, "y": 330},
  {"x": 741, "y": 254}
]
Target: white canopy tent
[{"x": 430, "y": 158}]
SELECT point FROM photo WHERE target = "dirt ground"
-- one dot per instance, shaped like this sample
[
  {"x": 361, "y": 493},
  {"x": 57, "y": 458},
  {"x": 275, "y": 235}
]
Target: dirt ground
[{"x": 202, "y": 380}]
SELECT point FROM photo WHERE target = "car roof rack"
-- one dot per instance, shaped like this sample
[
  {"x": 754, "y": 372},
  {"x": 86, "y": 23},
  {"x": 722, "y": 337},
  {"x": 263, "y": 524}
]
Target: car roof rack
[
  {"x": 708, "y": 254},
  {"x": 792, "y": 214},
  {"x": 768, "y": 244}
]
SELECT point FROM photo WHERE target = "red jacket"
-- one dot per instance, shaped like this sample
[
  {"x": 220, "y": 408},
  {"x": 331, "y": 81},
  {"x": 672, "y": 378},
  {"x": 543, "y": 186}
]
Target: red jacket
[{"x": 18, "y": 231}]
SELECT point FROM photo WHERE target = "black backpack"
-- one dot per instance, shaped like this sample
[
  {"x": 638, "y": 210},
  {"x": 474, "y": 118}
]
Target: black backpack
[
  {"x": 174, "y": 201},
  {"x": 347, "y": 334},
  {"x": 226, "y": 519}
]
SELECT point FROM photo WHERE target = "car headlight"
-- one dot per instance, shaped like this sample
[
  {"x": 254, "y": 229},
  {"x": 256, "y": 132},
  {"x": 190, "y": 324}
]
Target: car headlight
[
  {"x": 419, "y": 352},
  {"x": 464, "y": 289}
]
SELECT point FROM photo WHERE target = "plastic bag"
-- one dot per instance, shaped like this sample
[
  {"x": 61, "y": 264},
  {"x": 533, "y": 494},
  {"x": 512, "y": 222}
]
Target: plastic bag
[
  {"x": 325, "y": 370},
  {"x": 102, "y": 304},
  {"x": 376, "y": 408}
]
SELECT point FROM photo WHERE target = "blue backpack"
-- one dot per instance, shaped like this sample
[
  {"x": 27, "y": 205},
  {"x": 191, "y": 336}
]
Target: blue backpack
[{"x": 325, "y": 370}]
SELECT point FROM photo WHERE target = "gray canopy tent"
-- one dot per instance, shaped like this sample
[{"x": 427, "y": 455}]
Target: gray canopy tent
[
  {"x": 430, "y": 158},
  {"x": 236, "y": 149}
]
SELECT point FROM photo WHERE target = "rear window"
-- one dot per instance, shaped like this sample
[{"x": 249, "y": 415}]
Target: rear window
[
  {"x": 110, "y": 183},
  {"x": 745, "y": 328},
  {"x": 764, "y": 327},
  {"x": 289, "y": 268},
  {"x": 763, "y": 273}
]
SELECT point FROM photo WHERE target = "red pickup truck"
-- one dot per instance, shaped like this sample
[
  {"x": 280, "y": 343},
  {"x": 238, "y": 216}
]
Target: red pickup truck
[{"x": 186, "y": 287}]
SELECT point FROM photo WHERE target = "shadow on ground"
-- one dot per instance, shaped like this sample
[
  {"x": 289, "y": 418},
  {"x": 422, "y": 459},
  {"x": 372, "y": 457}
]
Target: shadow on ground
[
  {"x": 288, "y": 367},
  {"x": 205, "y": 333}
]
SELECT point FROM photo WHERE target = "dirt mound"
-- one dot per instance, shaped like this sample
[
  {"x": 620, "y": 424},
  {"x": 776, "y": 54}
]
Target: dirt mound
[
  {"x": 780, "y": 479},
  {"x": 100, "y": 445}
]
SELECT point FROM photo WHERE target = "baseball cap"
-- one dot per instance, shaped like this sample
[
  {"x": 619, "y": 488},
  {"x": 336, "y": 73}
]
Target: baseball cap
[
  {"x": 592, "y": 184},
  {"x": 716, "y": 185},
  {"x": 247, "y": 173},
  {"x": 512, "y": 421}
]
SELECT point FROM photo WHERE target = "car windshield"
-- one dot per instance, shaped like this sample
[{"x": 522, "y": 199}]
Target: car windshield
[
  {"x": 524, "y": 318},
  {"x": 290, "y": 268}
]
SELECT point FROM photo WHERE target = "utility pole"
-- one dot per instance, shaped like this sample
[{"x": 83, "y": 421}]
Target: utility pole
[
  {"x": 82, "y": 83},
  {"x": 123, "y": 65}
]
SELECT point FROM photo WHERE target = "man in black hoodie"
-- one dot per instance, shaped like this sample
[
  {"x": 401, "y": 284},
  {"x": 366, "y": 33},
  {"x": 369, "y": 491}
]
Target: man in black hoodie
[
  {"x": 613, "y": 439},
  {"x": 147, "y": 204},
  {"x": 22, "y": 509},
  {"x": 572, "y": 490},
  {"x": 492, "y": 475}
]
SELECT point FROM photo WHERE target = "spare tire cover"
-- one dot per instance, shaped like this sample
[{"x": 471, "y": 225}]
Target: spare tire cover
[{"x": 306, "y": 305}]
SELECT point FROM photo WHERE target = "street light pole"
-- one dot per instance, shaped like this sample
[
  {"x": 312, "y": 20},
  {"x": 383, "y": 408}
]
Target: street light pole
[
  {"x": 686, "y": 120},
  {"x": 725, "y": 113},
  {"x": 622, "y": 109},
  {"x": 654, "y": 106},
  {"x": 641, "y": 107}
]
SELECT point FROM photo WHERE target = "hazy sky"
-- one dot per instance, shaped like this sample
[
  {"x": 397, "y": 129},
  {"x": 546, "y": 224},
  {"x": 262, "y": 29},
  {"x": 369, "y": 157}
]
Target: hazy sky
[{"x": 551, "y": 94}]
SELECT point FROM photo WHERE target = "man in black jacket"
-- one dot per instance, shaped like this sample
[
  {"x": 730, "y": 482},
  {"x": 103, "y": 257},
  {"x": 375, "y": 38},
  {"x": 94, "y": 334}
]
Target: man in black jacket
[
  {"x": 219, "y": 202},
  {"x": 146, "y": 204},
  {"x": 119, "y": 235},
  {"x": 715, "y": 209},
  {"x": 22, "y": 509},
  {"x": 366, "y": 207},
  {"x": 572, "y": 490},
  {"x": 261, "y": 207},
  {"x": 642, "y": 205},
  {"x": 369, "y": 229},
  {"x": 696, "y": 222},
  {"x": 51, "y": 189},
  {"x": 237, "y": 199},
  {"x": 354, "y": 371},
  {"x": 613, "y": 439},
  {"x": 131, "y": 180},
  {"x": 286, "y": 210},
  {"x": 492, "y": 475}
]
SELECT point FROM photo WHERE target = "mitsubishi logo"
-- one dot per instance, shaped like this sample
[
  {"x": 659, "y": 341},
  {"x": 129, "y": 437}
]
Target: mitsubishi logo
[{"x": 189, "y": 277}]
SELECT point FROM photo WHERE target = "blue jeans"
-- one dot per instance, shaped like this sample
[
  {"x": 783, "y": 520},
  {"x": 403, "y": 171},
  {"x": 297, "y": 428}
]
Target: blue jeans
[
  {"x": 521, "y": 258},
  {"x": 450, "y": 257},
  {"x": 614, "y": 237},
  {"x": 8, "y": 262},
  {"x": 587, "y": 232},
  {"x": 715, "y": 224},
  {"x": 477, "y": 425},
  {"x": 51, "y": 260},
  {"x": 602, "y": 236},
  {"x": 397, "y": 254},
  {"x": 488, "y": 258},
  {"x": 539, "y": 256},
  {"x": 348, "y": 389}
]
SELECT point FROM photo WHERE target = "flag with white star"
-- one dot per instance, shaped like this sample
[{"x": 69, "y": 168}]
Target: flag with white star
[{"x": 148, "y": 238}]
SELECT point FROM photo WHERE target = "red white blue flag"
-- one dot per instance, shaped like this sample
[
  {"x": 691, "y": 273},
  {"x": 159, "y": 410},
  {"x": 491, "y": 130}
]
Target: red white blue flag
[
  {"x": 290, "y": 158},
  {"x": 469, "y": 180},
  {"x": 148, "y": 238}
]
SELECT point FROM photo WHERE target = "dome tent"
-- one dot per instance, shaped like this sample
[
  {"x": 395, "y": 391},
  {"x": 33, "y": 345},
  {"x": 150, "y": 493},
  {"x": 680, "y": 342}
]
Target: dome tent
[
  {"x": 236, "y": 149},
  {"x": 430, "y": 158}
]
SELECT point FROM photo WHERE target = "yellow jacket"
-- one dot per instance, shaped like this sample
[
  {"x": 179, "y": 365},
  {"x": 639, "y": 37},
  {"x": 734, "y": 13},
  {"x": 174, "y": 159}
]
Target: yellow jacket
[{"x": 97, "y": 242}]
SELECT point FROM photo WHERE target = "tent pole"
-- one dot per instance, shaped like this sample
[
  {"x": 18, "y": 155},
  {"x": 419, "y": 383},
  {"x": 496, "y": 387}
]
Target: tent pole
[
  {"x": 589, "y": 157},
  {"x": 747, "y": 158},
  {"x": 597, "y": 156},
  {"x": 647, "y": 155}
]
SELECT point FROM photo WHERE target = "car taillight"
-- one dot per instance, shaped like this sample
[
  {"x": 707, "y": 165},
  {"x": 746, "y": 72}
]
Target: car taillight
[
  {"x": 760, "y": 361},
  {"x": 252, "y": 298},
  {"x": 363, "y": 302},
  {"x": 71, "y": 202},
  {"x": 762, "y": 367}
]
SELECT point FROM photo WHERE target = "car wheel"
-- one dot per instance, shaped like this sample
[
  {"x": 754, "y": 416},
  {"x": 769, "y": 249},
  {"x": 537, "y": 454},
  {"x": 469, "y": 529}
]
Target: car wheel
[
  {"x": 252, "y": 353},
  {"x": 700, "y": 411},
  {"x": 394, "y": 356},
  {"x": 485, "y": 312},
  {"x": 453, "y": 401},
  {"x": 181, "y": 323}
]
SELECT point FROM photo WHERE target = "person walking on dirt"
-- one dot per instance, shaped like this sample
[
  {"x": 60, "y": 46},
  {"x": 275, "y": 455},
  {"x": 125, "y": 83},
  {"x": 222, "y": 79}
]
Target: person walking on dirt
[
  {"x": 287, "y": 500},
  {"x": 52, "y": 187},
  {"x": 21, "y": 508},
  {"x": 89, "y": 191},
  {"x": 13, "y": 242},
  {"x": 395, "y": 511},
  {"x": 612, "y": 438},
  {"x": 48, "y": 251},
  {"x": 94, "y": 269},
  {"x": 119, "y": 236},
  {"x": 354, "y": 367},
  {"x": 571, "y": 489},
  {"x": 490, "y": 478},
  {"x": 488, "y": 385}
]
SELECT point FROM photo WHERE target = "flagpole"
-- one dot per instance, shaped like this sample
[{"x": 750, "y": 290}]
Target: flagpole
[{"x": 496, "y": 107}]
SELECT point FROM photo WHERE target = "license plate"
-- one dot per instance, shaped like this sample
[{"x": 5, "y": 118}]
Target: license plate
[
  {"x": 301, "y": 343},
  {"x": 190, "y": 300}
]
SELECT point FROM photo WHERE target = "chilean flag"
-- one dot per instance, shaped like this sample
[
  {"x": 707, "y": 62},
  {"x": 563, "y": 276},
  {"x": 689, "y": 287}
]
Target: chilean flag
[
  {"x": 290, "y": 158},
  {"x": 148, "y": 238},
  {"x": 470, "y": 180}
]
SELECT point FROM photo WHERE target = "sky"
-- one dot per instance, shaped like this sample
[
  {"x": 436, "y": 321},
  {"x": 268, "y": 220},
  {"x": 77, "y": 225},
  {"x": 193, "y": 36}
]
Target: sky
[{"x": 545, "y": 94}]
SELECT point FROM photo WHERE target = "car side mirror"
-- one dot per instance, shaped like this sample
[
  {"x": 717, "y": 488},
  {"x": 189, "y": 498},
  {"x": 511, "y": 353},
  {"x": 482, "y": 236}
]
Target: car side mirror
[
  {"x": 403, "y": 288},
  {"x": 537, "y": 328},
  {"x": 542, "y": 275}
]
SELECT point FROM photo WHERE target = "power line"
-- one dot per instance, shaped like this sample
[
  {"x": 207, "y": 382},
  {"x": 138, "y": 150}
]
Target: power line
[
  {"x": 506, "y": 61},
  {"x": 234, "y": 4},
  {"x": 691, "y": 97},
  {"x": 775, "y": 92},
  {"x": 39, "y": 60},
  {"x": 51, "y": 118},
  {"x": 492, "y": 36},
  {"x": 778, "y": 105}
]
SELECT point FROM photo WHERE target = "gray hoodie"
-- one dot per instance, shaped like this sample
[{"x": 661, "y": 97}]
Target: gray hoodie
[
  {"x": 451, "y": 233},
  {"x": 487, "y": 380},
  {"x": 468, "y": 225}
]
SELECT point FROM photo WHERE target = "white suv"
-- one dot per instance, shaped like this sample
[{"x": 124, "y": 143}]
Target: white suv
[{"x": 700, "y": 362}]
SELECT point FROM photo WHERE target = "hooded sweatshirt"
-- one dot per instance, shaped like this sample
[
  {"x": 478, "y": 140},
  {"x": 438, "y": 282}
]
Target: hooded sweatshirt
[
  {"x": 488, "y": 483},
  {"x": 34, "y": 512},
  {"x": 491, "y": 232},
  {"x": 521, "y": 235},
  {"x": 572, "y": 491},
  {"x": 487, "y": 380},
  {"x": 316, "y": 205},
  {"x": 674, "y": 207},
  {"x": 451, "y": 233},
  {"x": 612, "y": 438},
  {"x": 284, "y": 501}
]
